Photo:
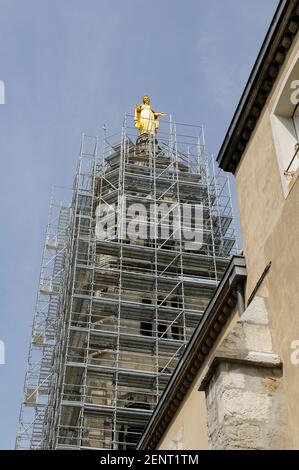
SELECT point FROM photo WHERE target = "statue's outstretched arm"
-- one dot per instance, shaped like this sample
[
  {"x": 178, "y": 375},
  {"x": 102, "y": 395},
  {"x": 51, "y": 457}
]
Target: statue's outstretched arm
[
  {"x": 137, "y": 116},
  {"x": 159, "y": 114},
  {"x": 137, "y": 112}
]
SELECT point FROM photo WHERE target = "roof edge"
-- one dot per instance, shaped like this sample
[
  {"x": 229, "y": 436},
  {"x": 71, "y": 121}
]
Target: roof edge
[{"x": 277, "y": 43}]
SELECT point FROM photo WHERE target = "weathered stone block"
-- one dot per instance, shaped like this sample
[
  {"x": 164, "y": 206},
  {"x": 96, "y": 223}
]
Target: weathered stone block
[{"x": 244, "y": 396}]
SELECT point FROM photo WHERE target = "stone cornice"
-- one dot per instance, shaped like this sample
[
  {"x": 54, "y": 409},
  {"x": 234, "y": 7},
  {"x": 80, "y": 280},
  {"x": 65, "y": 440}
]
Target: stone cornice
[
  {"x": 274, "y": 51},
  {"x": 210, "y": 327},
  {"x": 248, "y": 358}
]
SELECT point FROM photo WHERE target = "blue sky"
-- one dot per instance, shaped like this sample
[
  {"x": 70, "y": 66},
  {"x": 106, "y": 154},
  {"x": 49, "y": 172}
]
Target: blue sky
[{"x": 69, "y": 66}]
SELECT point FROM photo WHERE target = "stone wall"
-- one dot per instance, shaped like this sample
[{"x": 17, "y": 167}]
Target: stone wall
[
  {"x": 243, "y": 385},
  {"x": 243, "y": 404}
]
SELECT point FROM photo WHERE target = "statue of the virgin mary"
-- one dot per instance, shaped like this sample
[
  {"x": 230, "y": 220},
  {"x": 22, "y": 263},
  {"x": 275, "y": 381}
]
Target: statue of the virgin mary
[{"x": 146, "y": 119}]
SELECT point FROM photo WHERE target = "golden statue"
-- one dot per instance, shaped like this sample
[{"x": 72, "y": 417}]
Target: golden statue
[{"x": 146, "y": 119}]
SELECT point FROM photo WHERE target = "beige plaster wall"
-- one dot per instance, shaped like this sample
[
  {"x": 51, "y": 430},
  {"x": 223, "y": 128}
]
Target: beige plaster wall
[
  {"x": 270, "y": 229},
  {"x": 188, "y": 430}
]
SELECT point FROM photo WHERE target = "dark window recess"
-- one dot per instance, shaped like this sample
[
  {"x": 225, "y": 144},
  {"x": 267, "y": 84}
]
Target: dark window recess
[
  {"x": 132, "y": 437},
  {"x": 139, "y": 405},
  {"x": 176, "y": 332},
  {"x": 161, "y": 303},
  {"x": 161, "y": 330},
  {"x": 121, "y": 438},
  {"x": 167, "y": 247},
  {"x": 175, "y": 303},
  {"x": 128, "y": 437},
  {"x": 146, "y": 328}
]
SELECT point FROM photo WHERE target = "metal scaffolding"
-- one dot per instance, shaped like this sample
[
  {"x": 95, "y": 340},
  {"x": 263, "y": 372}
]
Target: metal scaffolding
[{"x": 114, "y": 313}]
